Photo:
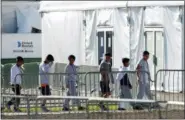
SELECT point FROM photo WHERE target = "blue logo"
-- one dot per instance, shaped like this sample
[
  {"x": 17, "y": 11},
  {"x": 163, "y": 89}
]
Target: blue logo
[{"x": 18, "y": 44}]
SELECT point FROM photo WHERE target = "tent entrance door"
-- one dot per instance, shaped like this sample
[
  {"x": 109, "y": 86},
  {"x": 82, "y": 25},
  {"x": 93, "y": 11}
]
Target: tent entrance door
[
  {"x": 104, "y": 36},
  {"x": 154, "y": 43}
]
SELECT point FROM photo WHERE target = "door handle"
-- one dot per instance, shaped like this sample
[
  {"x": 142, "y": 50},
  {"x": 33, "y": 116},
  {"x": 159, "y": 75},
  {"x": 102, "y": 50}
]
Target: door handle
[{"x": 154, "y": 60}]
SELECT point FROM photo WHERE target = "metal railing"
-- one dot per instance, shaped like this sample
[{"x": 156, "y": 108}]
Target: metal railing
[
  {"x": 89, "y": 86},
  {"x": 169, "y": 85},
  {"x": 92, "y": 81},
  {"x": 89, "y": 112}
]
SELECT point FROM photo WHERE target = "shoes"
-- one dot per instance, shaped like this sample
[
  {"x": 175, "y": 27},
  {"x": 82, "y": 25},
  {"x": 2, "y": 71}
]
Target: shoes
[
  {"x": 44, "y": 109},
  {"x": 65, "y": 109},
  {"x": 17, "y": 109},
  {"x": 8, "y": 106},
  {"x": 2, "y": 108},
  {"x": 121, "y": 109},
  {"x": 81, "y": 108},
  {"x": 102, "y": 107},
  {"x": 138, "y": 108}
]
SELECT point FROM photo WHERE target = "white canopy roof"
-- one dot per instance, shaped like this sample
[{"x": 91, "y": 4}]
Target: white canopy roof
[{"x": 54, "y": 6}]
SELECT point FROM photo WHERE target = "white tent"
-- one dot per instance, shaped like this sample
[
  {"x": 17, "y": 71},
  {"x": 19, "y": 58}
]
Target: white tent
[{"x": 88, "y": 29}]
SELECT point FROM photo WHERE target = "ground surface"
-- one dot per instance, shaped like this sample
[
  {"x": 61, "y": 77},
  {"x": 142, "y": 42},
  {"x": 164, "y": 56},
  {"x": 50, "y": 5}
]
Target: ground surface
[
  {"x": 174, "y": 111},
  {"x": 101, "y": 115}
]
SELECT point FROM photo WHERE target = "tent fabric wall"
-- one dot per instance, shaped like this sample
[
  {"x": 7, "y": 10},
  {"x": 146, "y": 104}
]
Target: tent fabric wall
[
  {"x": 50, "y": 6},
  {"x": 183, "y": 49},
  {"x": 168, "y": 18},
  {"x": 172, "y": 24},
  {"x": 121, "y": 41},
  {"x": 53, "y": 6},
  {"x": 104, "y": 17},
  {"x": 137, "y": 39},
  {"x": 62, "y": 36},
  {"x": 90, "y": 37},
  {"x": 128, "y": 40},
  {"x": 111, "y": 17},
  {"x": 150, "y": 16}
]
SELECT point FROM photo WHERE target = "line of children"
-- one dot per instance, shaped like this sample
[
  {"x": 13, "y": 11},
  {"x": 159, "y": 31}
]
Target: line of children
[{"x": 106, "y": 77}]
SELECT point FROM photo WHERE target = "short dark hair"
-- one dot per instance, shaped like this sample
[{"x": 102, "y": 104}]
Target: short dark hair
[
  {"x": 19, "y": 58},
  {"x": 108, "y": 54},
  {"x": 125, "y": 60},
  {"x": 146, "y": 53},
  {"x": 71, "y": 57},
  {"x": 50, "y": 57}
]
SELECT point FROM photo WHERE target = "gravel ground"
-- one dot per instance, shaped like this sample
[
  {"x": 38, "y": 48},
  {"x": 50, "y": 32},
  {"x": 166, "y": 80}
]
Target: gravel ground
[{"x": 174, "y": 114}]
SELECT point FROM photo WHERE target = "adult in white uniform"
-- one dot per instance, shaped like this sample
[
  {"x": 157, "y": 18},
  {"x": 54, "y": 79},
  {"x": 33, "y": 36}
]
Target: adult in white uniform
[
  {"x": 71, "y": 81},
  {"x": 125, "y": 85},
  {"x": 144, "y": 77},
  {"x": 44, "y": 69},
  {"x": 15, "y": 82}
]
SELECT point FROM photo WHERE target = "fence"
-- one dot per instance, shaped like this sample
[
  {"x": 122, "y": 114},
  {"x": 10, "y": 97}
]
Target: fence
[
  {"x": 30, "y": 87},
  {"x": 169, "y": 87},
  {"x": 88, "y": 86},
  {"x": 93, "y": 113}
]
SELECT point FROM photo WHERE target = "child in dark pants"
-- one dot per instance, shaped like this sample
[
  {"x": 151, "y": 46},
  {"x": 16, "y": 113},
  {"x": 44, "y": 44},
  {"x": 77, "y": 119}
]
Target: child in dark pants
[
  {"x": 44, "y": 69},
  {"x": 15, "y": 81}
]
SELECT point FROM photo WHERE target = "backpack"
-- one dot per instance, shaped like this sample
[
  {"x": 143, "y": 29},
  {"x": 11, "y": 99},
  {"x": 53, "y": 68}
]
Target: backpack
[{"x": 125, "y": 81}]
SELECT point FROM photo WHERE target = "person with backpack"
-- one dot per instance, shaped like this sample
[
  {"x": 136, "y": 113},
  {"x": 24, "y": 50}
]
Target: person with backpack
[{"x": 125, "y": 85}]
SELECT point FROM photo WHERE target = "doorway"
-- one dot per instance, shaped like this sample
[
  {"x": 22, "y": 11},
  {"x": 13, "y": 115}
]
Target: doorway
[
  {"x": 154, "y": 43},
  {"x": 105, "y": 42}
]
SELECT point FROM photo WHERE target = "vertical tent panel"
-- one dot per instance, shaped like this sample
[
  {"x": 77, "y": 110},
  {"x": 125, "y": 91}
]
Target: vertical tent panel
[
  {"x": 172, "y": 26},
  {"x": 137, "y": 36},
  {"x": 121, "y": 42},
  {"x": 62, "y": 35},
  {"x": 90, "y": 38}
]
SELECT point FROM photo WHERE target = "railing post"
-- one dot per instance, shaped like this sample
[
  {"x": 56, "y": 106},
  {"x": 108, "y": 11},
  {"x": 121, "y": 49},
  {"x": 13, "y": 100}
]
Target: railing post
[
  {"x": 155, "y": 85},
  {"x": 87, "y": 103},
  {"x": 28, "y": 107},
  {"x": 36, "y": 108},
  {"x": 166, "y": 116},
  {"x": 87, "y": 109}
]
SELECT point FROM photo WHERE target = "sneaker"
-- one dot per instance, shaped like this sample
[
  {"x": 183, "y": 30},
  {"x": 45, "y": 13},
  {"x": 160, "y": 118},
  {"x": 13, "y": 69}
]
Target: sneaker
[
  {"x": 65, "y": 109},
  {"x": 17, "y": 110},
  {"x": 121, "y": 109},
  {"x": 44, "y": 109},
  {"x": 81, "y": 108},
  {"x": 2, "y": 108},
  {"x": 138, "y": 108},
  {"x": 103, "y": 107}
]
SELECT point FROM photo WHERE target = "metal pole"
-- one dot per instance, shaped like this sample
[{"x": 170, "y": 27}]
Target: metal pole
[
  {"x": 183, "y": 53},
  {"x": 28, "y": 108},
  {"x": 87, "y": 109},
  {"x": 130, "y": 39},
  {"x": 155, "y": 72},
  {"x": 166, "y": 111},
  {"x": 36, "y": 108}
]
